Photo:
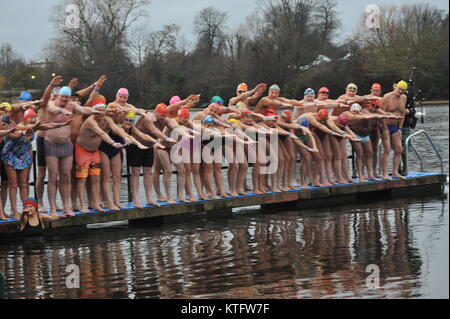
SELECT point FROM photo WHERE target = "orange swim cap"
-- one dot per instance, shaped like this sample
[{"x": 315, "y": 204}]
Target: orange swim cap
[
  {"x": 242, "y": 87},
  {"x": 322, "y": 115},
  {"x": 286, "y": 114},
  {"x": 161, "y": 109},
  {"x": 183, "y": 113},
  {"x": 376, "y": 86}
]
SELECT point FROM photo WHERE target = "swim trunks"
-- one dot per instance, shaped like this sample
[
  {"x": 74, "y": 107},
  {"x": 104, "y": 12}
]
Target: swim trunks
[
  {"x": 88, "y": 163},
  {"x": 365, "y": 139},
  {"x": 110, "y": 150},
  {"x": 58, "y": 150},
  {"x": 393, "y": 129},
  {"x": 139, "y": 158}
]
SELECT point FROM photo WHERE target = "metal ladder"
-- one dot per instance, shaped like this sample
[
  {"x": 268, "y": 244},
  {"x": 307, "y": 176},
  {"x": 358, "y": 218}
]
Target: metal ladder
[{"x": 408, "y": 142}]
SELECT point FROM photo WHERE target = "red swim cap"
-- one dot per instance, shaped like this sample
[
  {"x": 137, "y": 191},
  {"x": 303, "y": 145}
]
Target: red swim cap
[
  {"x": 183, "y": 113},
  {"x": 31, "y": 202},
  {"x": 161, "y": 109},
  {"x": 322, "y": 115},
  {"x": 376, "y": 86},
  {"x": 271, "y": 112},
  {"x": 30, "y": 113},
  {"x": 287, "y": 114},
  {"x": 324, "y": 90},
  {"x": 343, "y": 119}
]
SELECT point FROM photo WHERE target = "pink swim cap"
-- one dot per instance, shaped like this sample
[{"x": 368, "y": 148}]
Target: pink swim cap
[
  {"x": 122, "y": 92},
  {"x": 174, "y": 99}
]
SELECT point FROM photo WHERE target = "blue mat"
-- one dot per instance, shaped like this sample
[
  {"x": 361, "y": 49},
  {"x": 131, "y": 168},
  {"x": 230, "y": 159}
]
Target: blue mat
[{"x": 130, "y": 206}]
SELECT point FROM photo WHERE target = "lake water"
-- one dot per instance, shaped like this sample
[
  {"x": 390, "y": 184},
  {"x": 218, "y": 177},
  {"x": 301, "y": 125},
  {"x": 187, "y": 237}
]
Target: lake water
[{"x": 313, "y": 253}]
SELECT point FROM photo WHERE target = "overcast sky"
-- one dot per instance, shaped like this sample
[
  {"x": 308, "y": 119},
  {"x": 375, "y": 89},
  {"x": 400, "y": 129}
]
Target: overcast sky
[{"x": 25, "y": 23}]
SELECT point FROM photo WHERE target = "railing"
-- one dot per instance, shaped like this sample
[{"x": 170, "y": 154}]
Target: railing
[{"x": 408, "y": 143}]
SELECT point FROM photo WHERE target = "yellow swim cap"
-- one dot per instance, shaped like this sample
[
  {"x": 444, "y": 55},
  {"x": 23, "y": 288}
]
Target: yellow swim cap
[
  {"x": 6, "y": 106},
  {"x": 402, "y": 85},
  {"x": 234, "y": 121},
  {"x": 131, "y": 115}
]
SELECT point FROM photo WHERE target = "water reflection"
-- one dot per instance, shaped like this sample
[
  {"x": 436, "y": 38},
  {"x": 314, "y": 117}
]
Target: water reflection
[{"x": 309, "y": 254}]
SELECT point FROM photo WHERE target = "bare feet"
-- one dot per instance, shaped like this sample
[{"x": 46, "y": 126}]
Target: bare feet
[
  {"x": 243, "y": 193},
  {"x": 99, "y": 208},
  {"x": 234, "y": 194},
  {"x": 69, "y": 213},
  {"x": 304, "y": 186},
  {"x": 3, "y": 217},
  {"x": 59, "y": 209},
  {"x": 171, "y": 201},
  {"x": 386, "y": 177},
  {"x": 138, "y": 205},
  {"x": 152, "y": 203},
  {"x": 284, "y": 189},
  {"x": 112, "y": 207},
  {"x": 351, "y": 181},
  {"x": 258, "y": 192},
  {"x": 224, "y": 195},
  {"x": 162, "y": 199},
  {"x": 276, "y": 190},
  {"x": 399, "y": 176},
  {"x": 42, "y": 209},
  {"x": 203, "y": 197},
  {"x": 84, "y": 210},
  {"x": 183, "y": 200},
  {"x": 373, "y": 178},
  {"x": 119, "y": 205}
]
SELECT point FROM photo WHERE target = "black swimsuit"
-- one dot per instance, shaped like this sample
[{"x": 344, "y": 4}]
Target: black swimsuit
[
  {"x": 110, "y": 150},
  {"x": 33, "y": 231}
]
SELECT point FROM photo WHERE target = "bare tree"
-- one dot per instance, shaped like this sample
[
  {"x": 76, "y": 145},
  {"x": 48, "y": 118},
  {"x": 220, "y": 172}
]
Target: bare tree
[{"x": 209, "y": 24}]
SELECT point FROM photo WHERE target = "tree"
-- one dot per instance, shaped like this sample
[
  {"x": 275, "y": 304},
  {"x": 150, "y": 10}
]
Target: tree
[{"x": 209, "y": 25}]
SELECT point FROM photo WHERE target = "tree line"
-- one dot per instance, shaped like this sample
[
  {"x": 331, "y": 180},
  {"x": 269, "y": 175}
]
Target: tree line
[{"x": 289, "y": 42}]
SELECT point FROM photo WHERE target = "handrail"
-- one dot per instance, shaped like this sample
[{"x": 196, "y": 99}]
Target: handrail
[{"x": 407, "y": 142}]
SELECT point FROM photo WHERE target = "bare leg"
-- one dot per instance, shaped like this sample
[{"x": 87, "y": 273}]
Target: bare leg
[
  {"x": 116, "y": 170},
  {"x": 74, "y": 189},
  {"x": 198, "y": 181},
  {"x": 290, "y": 164},
  {"x": 134, "y": 180},
  {"x": 81, "y": 186},
  {"x": 157, "y": 167},
  {"x": 218, "y": 178},
  {"x": 386, "y": 150},
  {"x": 398, "y": 150},
  {"x": 328, "y": 158},
  {"x": 368, "y": 160},
  {"x": 357, "y": 147},
  {"x": 65, "y": 169},
  {"x": 164, "y": 159},
  {"x": 23, "y": 178},
  {"x": 96, "y": 193},
  {"x": 207, "y": 173},
  {"x": 12, "y": 185},
  {"x": 304, "y": 167},
  {"x": 53, "y": 168},
  {"x": 337, "y": 159},
  {"x": 188, "y": 183},
  {"x": 344, "y": 161},
  {"x": 40, "y": 180},
  {"x": 106, "y": 181}
]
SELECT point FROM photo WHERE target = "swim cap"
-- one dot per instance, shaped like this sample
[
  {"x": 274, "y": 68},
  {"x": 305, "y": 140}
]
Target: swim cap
[
  {"x": 322, "y": 115},
  {"x": 309, "y": 91},
  {"x": 343, "y": 119},
  {"x": 356, "y": 107},
  {"x": 303, "y": 121},
  {"x": 174, "y": 99},
  {"x": 274, "y": 87},
  {"x": 183, "y": 113},
  {"x": 66, "y": 91},
  {"x": 6, "y": 106},
  {"x": 234, "y": 121},
  {"x": 161, "y": 109},
  {"x": 402, "y": 85},
  {"x": 208, "y": 119},
  {"x": 123, "y": 92},
  {"x": 32, "y": 202},
  {"x": 30, "y": 113},
  {"x": 55, "y": 90},
  {"x": 131, "y": 115},
  {"x": 271, "y": 118},
  {"x": 271, "y": 112},
  {"x": 242, "y": 87},
  {"x": 376, "y": 86},
  {"x": 6, "y": 119},
  {"x": 324, "y": 90},
  {"x": 248, "y": 114},
  {"x": 352, "y": 86},
  {"x": 76, "y": 95},
  {"x": 217, "y": 99},
  {"x": 99, "y": 106},
  {"x": 100, "y": 100},
  {"x": 25, "y": 96},
  {"x": 286, "y": 114}
]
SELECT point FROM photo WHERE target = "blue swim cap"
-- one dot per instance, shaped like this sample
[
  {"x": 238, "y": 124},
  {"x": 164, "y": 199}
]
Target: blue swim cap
[
  {"x": 309, "y": 91},
  {"x": 303, "y": 121},
  {"x": 25, "y": 96},
  {"x": 65, "y": 91},
  {"x": 208, "y": 120}
]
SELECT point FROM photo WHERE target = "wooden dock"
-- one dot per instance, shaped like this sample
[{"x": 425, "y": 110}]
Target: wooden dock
[{"x": 416, "y": 183}]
